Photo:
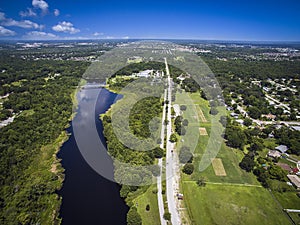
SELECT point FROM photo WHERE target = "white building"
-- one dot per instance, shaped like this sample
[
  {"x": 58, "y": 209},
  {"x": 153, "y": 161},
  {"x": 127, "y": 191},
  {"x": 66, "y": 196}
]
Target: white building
[
  {"x": 282, "y": 148},
  {"x": 145, "y": 73}
]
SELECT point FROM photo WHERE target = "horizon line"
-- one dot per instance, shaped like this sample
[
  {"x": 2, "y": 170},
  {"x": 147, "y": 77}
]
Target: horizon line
[{"x": 128, "y": 39}]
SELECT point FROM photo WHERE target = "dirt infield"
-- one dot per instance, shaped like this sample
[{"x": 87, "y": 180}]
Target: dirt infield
[
  {"x": 218, "y": 167},
  {"x": 200, "y": 114},
  {"x": 202, "y": 131}
]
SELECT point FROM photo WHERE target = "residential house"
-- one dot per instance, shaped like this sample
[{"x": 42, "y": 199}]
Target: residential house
[
  {"x": 284, "y": 166},
  {"x": 295, "y": 180},
  {"x": 274, "y": 154},
  {"x": 282, "y": 148}
]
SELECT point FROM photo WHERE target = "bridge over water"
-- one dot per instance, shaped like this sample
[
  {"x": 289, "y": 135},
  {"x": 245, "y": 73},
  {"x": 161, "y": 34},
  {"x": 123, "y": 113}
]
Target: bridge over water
[{"x": 93, "y": 86}]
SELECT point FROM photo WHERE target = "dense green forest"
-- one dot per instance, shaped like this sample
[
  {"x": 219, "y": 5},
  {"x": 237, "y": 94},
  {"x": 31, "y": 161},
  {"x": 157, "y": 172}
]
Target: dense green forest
[
  {"x": 255, "y": 69},
  {"x": 42, "y": 101},
  {"x": 138, "y": 122},
  {"x": 140, "y": 116},
  {"x": 147, "y": 108}
]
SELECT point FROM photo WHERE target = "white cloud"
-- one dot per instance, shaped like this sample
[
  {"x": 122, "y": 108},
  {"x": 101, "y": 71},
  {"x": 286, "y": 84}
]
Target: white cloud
[
  {"x": 40, "y": 4},
  {"x": 6, "y": 32},
  {"x": 56, "y": 12},
  {"x": 97, "y": 34},
  {"x": 38, "y": 35},
  {"x": 23, "y": 23},
  {"x": 27, "y": 13},
  {"x": 66, "y": 27},
  {"x": 126, "y": 37}
]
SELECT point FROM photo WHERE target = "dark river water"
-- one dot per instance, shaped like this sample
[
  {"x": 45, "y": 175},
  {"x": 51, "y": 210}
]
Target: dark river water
[{"x": 87, "y": 197}]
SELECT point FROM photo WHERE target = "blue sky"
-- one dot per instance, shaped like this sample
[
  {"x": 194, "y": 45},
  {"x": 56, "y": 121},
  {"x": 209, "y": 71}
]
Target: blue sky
[{"x": 202, "y": 19}]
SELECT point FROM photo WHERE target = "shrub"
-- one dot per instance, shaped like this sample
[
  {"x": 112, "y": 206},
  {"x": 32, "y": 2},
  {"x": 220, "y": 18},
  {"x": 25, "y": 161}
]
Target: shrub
[
  {"x": 148, "y": 207},
  {"x": 201, "y": 182},
  {"x": 183, "y": 107},
  {"x": 159, "y": 141},
  {"x": 173, "y": 138},
  {"x": 185, "y": 155},
  {"x": 188, "y": 168},
  {"x": 185, "y": 122},
  {"x": 167, "y": 216},
  {"x": 213, "y": 111},
  {"x": 155, "y": 169},
  {"x": 158, "y": 152}
]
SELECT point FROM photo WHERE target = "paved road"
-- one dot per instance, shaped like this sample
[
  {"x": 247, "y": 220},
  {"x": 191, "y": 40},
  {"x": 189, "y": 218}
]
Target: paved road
[
  {"x": 278, "y": 102},
  {"x": 287, "y": 123},
  {"x": 260, "y": 122},
  {"x": 170, "y": 161},
  {"x": 159, "y": 178},
  {"x": 242, "y": 111}
]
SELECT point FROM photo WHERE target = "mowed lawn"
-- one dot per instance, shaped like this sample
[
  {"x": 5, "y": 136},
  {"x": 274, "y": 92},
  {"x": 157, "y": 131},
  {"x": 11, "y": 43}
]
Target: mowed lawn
[
  {"x": 236, "y": 198},
  {"x": 230, "y": 157},
  {"x": 225, "y": 204},
  {"x": 289, "y": 200},
  {"x": 150, "y": 217}
]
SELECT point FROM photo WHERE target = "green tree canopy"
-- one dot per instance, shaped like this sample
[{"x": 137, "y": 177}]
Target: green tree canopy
[
  {"x": 188, "y": 168},
  {"x": 133, "y": 217}
]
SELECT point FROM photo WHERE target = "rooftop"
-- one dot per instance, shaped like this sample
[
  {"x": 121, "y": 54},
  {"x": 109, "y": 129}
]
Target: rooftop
[
  {"x": 282, "y": 148},
  {"x": 284, "y": 166},
  {"x": 274, "y": 154},
  {"x": 295, "y": 180},
  {"x": 296, "y": 128}
]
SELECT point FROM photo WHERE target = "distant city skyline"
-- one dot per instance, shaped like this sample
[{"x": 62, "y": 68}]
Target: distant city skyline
[{"x": 253, "y": 20}]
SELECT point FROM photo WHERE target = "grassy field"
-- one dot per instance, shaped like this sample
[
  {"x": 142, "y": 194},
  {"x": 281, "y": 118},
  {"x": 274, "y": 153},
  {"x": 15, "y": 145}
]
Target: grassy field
[
  {"x": 230, "y": 157},
  {"x": 141, "y": 201},
  {"x": 218, "y": 167},
  {"x": 289, "y": 200},
  {"x": 226, "y": 204},
  {"x": 238, "y": 196}
]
